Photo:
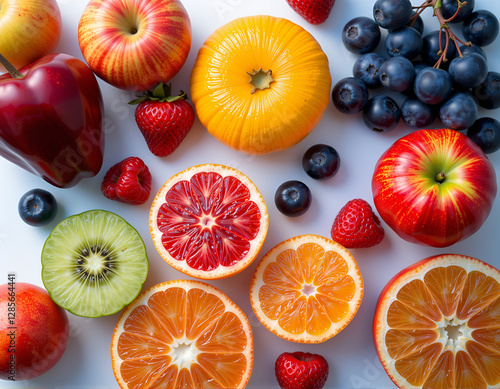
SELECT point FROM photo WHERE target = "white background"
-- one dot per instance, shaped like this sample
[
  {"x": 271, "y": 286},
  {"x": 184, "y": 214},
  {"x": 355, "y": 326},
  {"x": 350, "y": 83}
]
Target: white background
[{"x": 351, "y": 354}]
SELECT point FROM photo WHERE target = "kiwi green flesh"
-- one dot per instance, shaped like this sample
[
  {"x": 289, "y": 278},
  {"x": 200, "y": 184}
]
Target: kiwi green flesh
[{"x": 94, "y": 263}]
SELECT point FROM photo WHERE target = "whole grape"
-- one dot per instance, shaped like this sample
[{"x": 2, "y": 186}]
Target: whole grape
[
  {"x": 485, "y": 132},
  {"x": 488, "y": 93},
  {"x": 361, "y": 35},
  {"x": 381, "y": 113},
  {"x": 367, "y": 69},
  {"x": 459, "y": 112},
  {"x": 432, "y": 85},
  {"x": 449, "y": 8},
  {"x": 397, "y": 73},
  {"x": 350, "y": 95},
  {"x": 431, "y": 48},
  {"x": 469, "y": 70},
  {"x": 405, "y": 41},
  {"x": 481, "y": 28},
  {"x": 392, "y": 13},
  {"x": 416, "y": 22},
  {"x": 417, "y": 114}
]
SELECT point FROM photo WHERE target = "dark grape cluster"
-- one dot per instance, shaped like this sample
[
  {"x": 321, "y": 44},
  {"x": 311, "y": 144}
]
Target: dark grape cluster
[{"x": 440, "y": 75}]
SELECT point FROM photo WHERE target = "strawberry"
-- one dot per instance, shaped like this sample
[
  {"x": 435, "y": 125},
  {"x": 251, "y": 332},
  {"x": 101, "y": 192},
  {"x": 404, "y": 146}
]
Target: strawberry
[
  {"x": 128, "y": 181},
  {"x": 314, "y": 11},
  {"x": 300, "y": 370},
  {"x": 356, "y": 226},
  {"x": 164, "y": 120}
]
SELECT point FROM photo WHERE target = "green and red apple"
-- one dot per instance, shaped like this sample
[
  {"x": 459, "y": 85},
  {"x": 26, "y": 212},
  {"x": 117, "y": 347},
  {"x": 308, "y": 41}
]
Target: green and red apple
[
  {"x": 434, "y": 187},
  {"x": 135, "y": 44},
  {"x": 30, "y": 29}
]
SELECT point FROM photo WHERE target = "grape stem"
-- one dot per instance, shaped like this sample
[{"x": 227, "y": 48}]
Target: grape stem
[{"x": 444, "y": 27}]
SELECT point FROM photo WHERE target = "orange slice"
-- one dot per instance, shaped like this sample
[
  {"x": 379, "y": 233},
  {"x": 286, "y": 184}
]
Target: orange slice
[
  {"x": 437, "y": 325},
  {"x": 209, "y": 221},
  {"x": 306, "y": 289},
  {"x": 182, "y": 334}
]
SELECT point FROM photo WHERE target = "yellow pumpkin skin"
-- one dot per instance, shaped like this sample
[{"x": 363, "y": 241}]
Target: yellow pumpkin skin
[{"x": 269, "y": 119}]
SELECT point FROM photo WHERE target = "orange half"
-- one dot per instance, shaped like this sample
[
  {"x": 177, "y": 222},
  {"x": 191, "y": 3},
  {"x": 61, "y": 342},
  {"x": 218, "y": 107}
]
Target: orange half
[
  {"x": 306, "y": 289},
  {"x": 437, "y": 325},
  {"x": 182, "y": 334}
]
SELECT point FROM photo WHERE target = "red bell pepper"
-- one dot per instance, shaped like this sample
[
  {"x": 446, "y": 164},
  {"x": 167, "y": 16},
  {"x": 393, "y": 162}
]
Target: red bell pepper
[{"x": 51, "y": 119}]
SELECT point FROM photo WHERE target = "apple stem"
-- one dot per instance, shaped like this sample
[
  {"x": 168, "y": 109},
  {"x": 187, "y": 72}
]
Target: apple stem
[
  {"x": 440, "y": 177},
  {"x": 10, "y": 68}
]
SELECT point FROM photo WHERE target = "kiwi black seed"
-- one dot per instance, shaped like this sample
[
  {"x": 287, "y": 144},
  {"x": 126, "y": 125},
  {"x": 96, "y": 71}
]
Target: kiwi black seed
[{"x": 94, "y": 263}]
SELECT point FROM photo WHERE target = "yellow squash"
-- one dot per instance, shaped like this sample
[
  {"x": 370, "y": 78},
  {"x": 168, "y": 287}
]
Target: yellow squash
[{"x": 260, "y": 84}]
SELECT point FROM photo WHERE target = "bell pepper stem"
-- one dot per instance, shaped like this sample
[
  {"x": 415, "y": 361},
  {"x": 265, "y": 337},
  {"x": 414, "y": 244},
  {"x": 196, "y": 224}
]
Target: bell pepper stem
[{"x": 10, "y": 68}]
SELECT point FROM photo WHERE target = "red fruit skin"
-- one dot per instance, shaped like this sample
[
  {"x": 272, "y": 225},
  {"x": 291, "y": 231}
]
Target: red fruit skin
[
  {"x": 128, "y": 181},
  {"x": 356, "y": 226},
  {"x": 51, "y": 120},
  {"x": 299, "y": 370},
  {"x": 164, "y": 125},
  {"x": 313, "y": 11},
  {"x": 40, "y": 334},
  {"x": 415, "y": 205}
]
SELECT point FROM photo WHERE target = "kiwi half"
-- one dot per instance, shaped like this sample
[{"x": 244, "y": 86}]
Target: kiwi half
[{"x": 94, "y": 263}]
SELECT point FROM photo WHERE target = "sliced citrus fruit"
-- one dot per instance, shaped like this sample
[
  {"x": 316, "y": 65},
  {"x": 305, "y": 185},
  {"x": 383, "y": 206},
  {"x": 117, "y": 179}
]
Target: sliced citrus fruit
[
  {"x": 437, "y": 325},
  {"x": 209, "y": 221},
  {"x": 306, "y": 289},
  {"x": 182, "y": 334}
]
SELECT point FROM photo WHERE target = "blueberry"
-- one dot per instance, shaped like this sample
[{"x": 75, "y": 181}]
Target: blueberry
[
  {"x": 417, "y": 114},
  {"x": 367, "y": 67},
  {"x": 488, "y": 93},
  {"x": 469, "y": 70},
  {"x": 293, "y": 198},
  {"x": 480, "y": 28},
  {"x": 459, "y": 112},
  {"x": 37, "y": 207},
  {"x": 361, "y": 35},
  {"x": 405, "y": 41},
  {"x": 473, "y": 49},
  {"x": 321, "y": 162},
  {"x": 419, "y": 65},
  {"x": 449, "y": 7},
  {"x": 432, "y": 86},
  {"x": 392, "y": 13},
  {"x": 397, "y": 73},
  {"x": 381, "y": 114},
  {"x": 431, "y": 48},
  {"x": 350, "y": 95},
  {"x": 485, "y": 132},
  {"x": 416, "y": 22}
]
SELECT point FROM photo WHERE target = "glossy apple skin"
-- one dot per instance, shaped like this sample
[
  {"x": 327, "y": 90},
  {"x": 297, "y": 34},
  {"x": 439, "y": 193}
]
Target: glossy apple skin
[
  {"x": 30, "y": 29},
  {"x": 135, "y": 44},
  {"x": 40, "y": 335},
  {"x": 420, "y": 209},
  {"x": 51, "y": 120}
]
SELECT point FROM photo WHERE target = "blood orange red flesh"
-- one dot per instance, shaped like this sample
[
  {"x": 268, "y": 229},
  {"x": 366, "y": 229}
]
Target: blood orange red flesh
[
  {"x": 437, "y": 325},
  {"x": 209, "y": 221}
]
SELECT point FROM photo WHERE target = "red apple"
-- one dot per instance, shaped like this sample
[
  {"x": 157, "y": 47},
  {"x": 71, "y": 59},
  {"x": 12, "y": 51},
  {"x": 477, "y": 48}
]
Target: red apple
[
  {"x": 135, "y": 44},
  {"x": 434, "y": 187},
  {"x": 30, "y": 30},
  {"x": 33, "y": 331}
]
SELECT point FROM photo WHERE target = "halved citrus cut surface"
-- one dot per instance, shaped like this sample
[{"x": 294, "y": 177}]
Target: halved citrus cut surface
[
  {"x": 209, "y": 221},
  {"x": 306, "y": 289},
  {"x": 182, "y": 334},
  {"x": 437, "y": 325}
]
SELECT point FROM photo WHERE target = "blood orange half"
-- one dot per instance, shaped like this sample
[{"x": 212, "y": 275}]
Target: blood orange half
[
  {"x": 209, "y": 221},
  {"x": 437, "y": 325},
  {"x": 182, "y": 334}
]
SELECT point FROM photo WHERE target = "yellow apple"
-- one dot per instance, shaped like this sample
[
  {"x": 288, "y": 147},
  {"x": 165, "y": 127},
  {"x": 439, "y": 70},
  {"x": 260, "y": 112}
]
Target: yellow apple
[
  {"x": 135, "y": 44},
  {"x": 29, "y": 29}
]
